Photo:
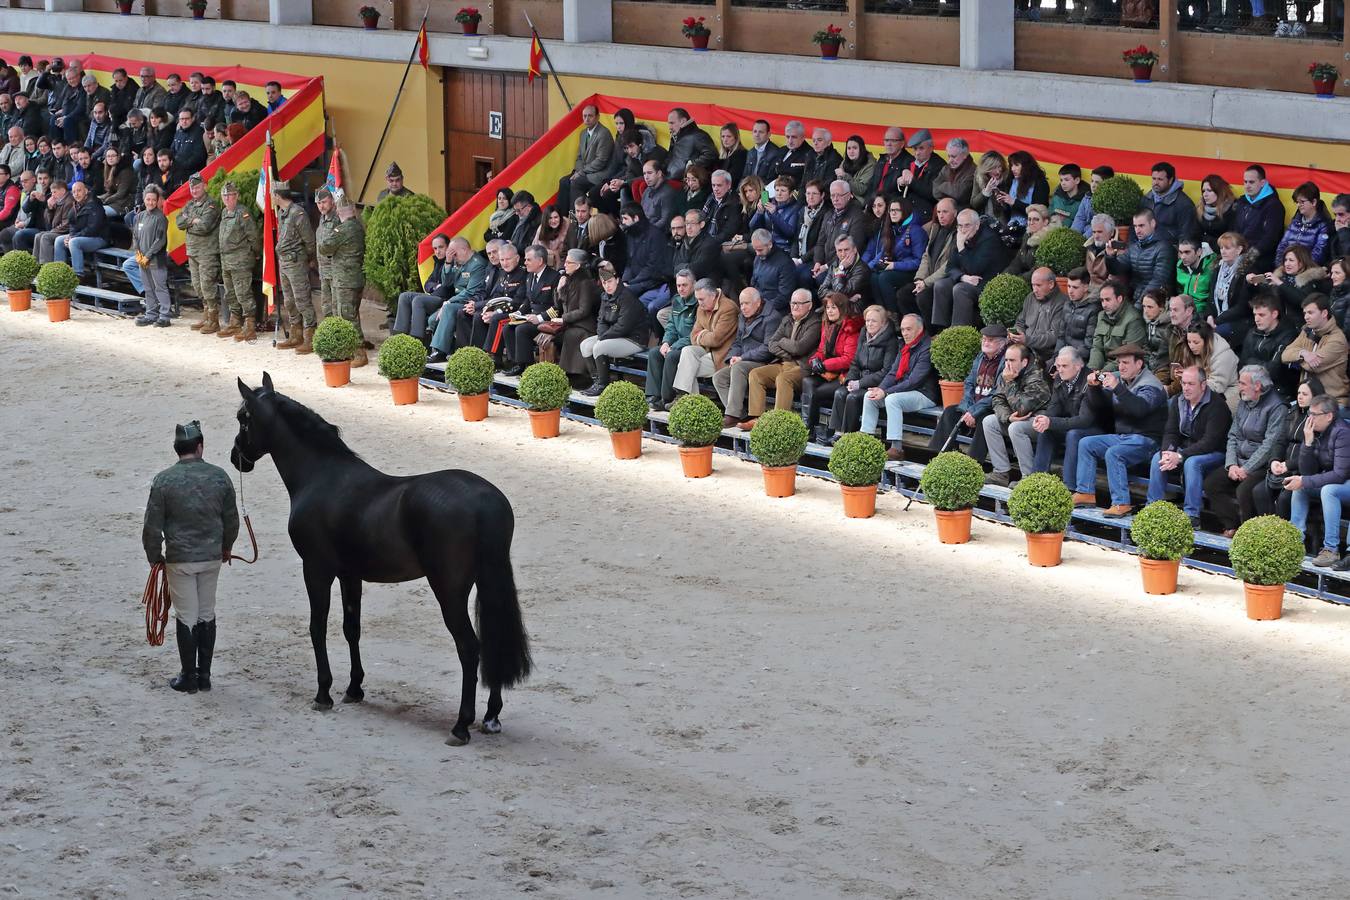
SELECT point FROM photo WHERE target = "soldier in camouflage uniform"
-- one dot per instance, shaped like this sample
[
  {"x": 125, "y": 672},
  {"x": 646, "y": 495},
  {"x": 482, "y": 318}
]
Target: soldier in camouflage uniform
[
  {"x": 344, "y": 243},
  {"x": 239, "y": 248},
  {"x": 328, "y": 220},
  {"x": 198, "y": 220},
  {"x": 190, "y": 526},
  {"x": 295, "y": 250}
]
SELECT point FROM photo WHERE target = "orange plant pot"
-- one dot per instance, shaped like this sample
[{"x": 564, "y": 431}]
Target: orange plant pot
[
  {"x": 953, "y": 525},
  {"x": 859, "y": 502},
  {"x": 1062, "y": 283},
  {"x": 1123, "y": 233},
  {"x": 696, "y": 461},
  {"x": 780, "y": 481},
  {"x": 20, "y": 301},
  {"x": 1045, "y": 550},
  {"x": 1264, "y": 601},
  {"x": 473, "y": 408},
  {"x": 626, "y": 444},
  {"x": 1160, "y": 575},
  {"x": 336, "y": 374},
  {"x": 58, "y": 310},
  {"x": 544, "y": 422},
  {"x": 404, "y": 390},
  {"x": 952, "y": 392}
]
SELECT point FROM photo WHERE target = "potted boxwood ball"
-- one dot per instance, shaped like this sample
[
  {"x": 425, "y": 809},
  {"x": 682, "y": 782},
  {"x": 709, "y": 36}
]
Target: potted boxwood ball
[
  {"x": 402, "y": 359},
  {"x": 1163, "y": 534},
  {"x": 622, "y": 409},
  {"x": 1267, "y": 551},
  {"x": 1041, "y": 506},
  {"x": 778, "y": 440},
  {"x": 857, "y": 461},
  {"x": 696, "y": 422},
  {"x": 335, "y": 342},
  {"x": 1061, "y": 251},
  {"x": 469, "y": 371},
  {"x": 56, "y": 282},
  {"x": 1120, "y": 197},
  {"x": 544, "y": 388},
  {"x": 18, "y": 268},
  {"x": 951, "y": 482},
  {"x": 1001, "y": 299},
  {"x": 953, "y": 352}
]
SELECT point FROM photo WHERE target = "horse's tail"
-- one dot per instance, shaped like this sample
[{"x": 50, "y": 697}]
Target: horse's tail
[{"x": 505, "y": 647}]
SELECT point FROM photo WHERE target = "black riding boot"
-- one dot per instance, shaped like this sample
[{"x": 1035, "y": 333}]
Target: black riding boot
[
  {"x": 186, "y": 680},
  {"x": 599, "y": 367},
  {"x": 205, "y": 633}
]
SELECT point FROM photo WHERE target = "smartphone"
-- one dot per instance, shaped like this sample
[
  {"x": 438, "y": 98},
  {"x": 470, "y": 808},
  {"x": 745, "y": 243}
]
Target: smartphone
[
  {"x": 764, "y": 197},
  {"x": 1117, "y": 245}
]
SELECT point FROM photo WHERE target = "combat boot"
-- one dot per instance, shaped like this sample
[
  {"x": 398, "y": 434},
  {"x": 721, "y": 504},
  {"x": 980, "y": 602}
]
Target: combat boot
[
  {"x": 205, "y": 635},
  {"x": 248, "y": 333},
  {"x": 186, "y": 680},
  {"x": 211, "y": 323},
  {"x": 307, "y": 343},
  {"x": 360, "y": 358},
  {"x": 201, "y": 323},
  {"x": 231, "y": 329},
  {"x": 292, "y": 336}
]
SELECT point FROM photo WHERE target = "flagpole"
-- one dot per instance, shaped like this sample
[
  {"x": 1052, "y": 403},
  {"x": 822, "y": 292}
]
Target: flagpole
[
  {"x": 549, "y": 62},
  {"x": 375, "y": 157}
]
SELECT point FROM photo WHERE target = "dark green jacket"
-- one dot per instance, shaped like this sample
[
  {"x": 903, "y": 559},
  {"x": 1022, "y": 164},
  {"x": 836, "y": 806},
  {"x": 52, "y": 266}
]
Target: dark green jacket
[{"x": 191, "y": 515}]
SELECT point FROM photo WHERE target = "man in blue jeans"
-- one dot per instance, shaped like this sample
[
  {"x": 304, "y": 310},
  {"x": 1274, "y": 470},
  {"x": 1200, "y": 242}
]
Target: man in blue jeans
[
  {"x": 1193, "y": 442},
  {"x": 910, "y": 387},
  {"x": 1068, "y": 419},
  {"x": 88, "y": 230},
  {"x": 1323, "y": 456},
  {"x": 1140, "y": 404}
]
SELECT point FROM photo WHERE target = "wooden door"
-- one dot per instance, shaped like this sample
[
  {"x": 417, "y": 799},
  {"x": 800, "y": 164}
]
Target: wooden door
[{"x": 471, "y": 155}]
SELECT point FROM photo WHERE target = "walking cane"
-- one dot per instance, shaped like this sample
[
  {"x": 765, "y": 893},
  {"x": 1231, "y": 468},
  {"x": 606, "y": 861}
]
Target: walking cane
[{"x": 945, "y": 444}]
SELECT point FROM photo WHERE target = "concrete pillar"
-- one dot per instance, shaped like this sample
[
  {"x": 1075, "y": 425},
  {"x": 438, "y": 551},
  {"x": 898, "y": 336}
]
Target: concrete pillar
[
  {"x": 986, "y": 35},
  {"x": 290, "y": 12},
  {"x": 63, "y": 6},
  {"x": 588, "y": 21}
]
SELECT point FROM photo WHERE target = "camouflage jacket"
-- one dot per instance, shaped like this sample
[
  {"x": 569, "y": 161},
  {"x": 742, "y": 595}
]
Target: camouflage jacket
[
  {"x": 239, "y": 243},
  {"x": 191, "y": 515},
  {"x": 323, "y": 237},
  {"x": 295, "y": 237},
  {"x": 345, "y": 246},
  {"x": 198, "y": 221}
]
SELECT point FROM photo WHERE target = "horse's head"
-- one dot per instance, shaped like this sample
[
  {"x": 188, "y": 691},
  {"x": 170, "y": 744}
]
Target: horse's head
[{"x": 255, "y": 413}]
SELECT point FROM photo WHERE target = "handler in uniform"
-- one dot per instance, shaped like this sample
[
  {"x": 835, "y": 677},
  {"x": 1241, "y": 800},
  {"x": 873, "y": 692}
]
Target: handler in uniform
[{"x": 190, "y": 525}]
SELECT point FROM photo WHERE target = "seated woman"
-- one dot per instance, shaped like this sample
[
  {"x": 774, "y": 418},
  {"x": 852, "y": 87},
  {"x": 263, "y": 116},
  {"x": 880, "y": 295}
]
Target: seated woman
[
  {"x": 839, "y": 329},
  {"x": 579, "y": 298},
  {"x": 1270, "y": 497},
  {"x": 697, "y": 187},
  {"x": 911, "y": 384},
  {"x": 1311, "y": 226},
  {"x": 1234, "y": 282},
  {"x": 895, "y": 253},
  {"x": 621, "y": 329},
  {"x": 1340, "y": 290},
  {"x": 1297, "y": 277},
  {"x": 1038, "y": 223},
  {"x": 1220, "y": 365},
  {"x": 552, "y": 235},
  {"x": 737, "y": 261},
  {"x": 858, "y": 166},
  {"x": 878, "y": 348},
  {"x": 782, "y": 215},
  {"x": 502, "y": 222}
]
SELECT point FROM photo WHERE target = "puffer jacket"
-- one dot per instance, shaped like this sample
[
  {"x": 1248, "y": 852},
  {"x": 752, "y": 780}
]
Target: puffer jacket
[
  {"x": 1198, "y": 283},
  {"x": 1148, "y": 264},
  {"x": 1026, "y": 394},
  {"x": 1236, "y": 312},
  {"x": 1327, "y": 461},
  {"x": 1174, "y": 212},
  {"x": 1315, "y": 234},
  {"x": 1257, "y": 432},
  {"x": 919, "y": 375},
  {"x": 1159, "y": 335},
  {"x": 875, "y": 357},
  {"x": 1294, "y": 289},
  {"x": 1260, "y": 348},
  {"x": 1080, "y": 321},
  {"x": 842, "y": 349},
  {"x": 1340, "y": 303},
  {"x": 1042, "y": 322},
  {"x": 1024, "y": 260},
  {"x": 1261, "y": 222},
  {"x": 691, "y": 146}
]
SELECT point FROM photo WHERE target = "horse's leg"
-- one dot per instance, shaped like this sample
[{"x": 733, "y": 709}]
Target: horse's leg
[
  {"x": 319, "y": 584},
  {"x": 491, "y": 723},
  {"x": 351, "y": 630},
  {"x": 452, "y": 592}
]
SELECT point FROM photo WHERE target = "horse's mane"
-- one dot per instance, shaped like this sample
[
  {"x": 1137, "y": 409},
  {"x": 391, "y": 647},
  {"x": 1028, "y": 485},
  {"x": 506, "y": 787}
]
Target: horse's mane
[{"x": 311, "y": 428}]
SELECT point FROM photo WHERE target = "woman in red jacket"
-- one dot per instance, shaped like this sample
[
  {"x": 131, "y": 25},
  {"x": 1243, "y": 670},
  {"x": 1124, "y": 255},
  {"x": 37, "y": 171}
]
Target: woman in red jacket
[{"x": 839, "y": 329}]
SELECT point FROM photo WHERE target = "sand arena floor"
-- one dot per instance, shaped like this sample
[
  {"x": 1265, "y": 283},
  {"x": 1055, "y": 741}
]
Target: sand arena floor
[{"x": 734, "y": 696}]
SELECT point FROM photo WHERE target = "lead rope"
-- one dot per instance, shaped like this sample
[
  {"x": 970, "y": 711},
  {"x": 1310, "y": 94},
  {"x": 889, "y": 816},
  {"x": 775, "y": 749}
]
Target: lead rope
[{"x": 248, "y": 523}]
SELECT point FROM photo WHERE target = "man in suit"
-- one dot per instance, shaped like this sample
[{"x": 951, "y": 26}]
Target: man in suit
[
  {"x": 541, "y": 284},
  {"x": 797, "y": 156},
  {"x": 593, "y": 157},
  {"x": 763, "y": 156},
  {"x": 893, "y": 163}
]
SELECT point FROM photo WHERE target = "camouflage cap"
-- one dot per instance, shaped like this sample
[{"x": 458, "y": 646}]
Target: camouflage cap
[
  {"x": 344, "y": 201},
  {"x": 192, "y": 431},
  {"x": 229, "y": 187},
  {"x": 196, "y": 178},
  {"x": 393, "y": 171},
  {"x": 323, "y": 194}
]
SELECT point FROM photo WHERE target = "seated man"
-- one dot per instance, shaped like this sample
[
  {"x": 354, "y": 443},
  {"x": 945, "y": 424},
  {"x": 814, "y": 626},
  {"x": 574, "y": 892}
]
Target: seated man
[
  {"x": 60, "y": 207},
  {"x": 1193, "y": 441},
  {"x": 790, "y": 346},
  {"x": 978, "y": 256},
  {"x": 663, "y": 361},
  {"x": 710, "y": 337},
  {"x": 1118, "y": 324},
  {"x": 1147, "y": 262},
  {"x": 773, "y": 274},
  {"x": 910, "y": 386},
  {"x": 847, "y": 274},
  {"x": 1320, "y": 348},
  {"x": 1020, "y": 395},
  {"x": 538, "y": 303},
  {"x": 1080, "y": 316},
  {"x": 878, "y": 349},
  {"x": 506, "y": 283},
  {"x": 413, "y": 308},
  {"x": 1140, "y": 405},
  {"x": 1040, "y": 324},
  {"x": 1323, "y": 461},
  {"x": 977, "y": 398},
  {"x": 1266, "y": 340},
  {"x": 466, "y": 272},
  {"x": 1072, "y": 415},
  {"x": 1257, "y": 433},
  {"x": 749, "y": 350},
  {"x": 88, "y": 230},
  {"x": 1195, "y": 275}
]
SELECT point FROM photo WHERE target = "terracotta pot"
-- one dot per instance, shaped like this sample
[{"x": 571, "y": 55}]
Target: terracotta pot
[
  {"x": 474, "y": 408},
  {"x": 1123, "y": 233},
  {"x": 336, "y": 374},
  {"x": 859, "y": 502},
  {"x": 830, "y": 49},
  {"x": 371, "y": 24},
  {"x": 199, "y": 14},
  {"x": 404, "y": 390},
  {"x": 20, "y": 301},
  {"x": 470, "y": 27},
  {"x": 953, "y": 525},
  {"x": 124, "y": 8},
  {"x": 780, "y": 481},
  {"x": 1143, "y": 74},
  {"x": 1264, "y": 601},
  {"x": 1062, "y": 283},
  {"x": 1045, "y": 549},
  {"x": 626, "y": 444},
  {"x": 696, "y": 461},
  {"x": 1160, "y": 575},
  {"x": 1324, "y": 89},
  {"x": 58, "y": 310},
  {"x": 699, "y": 41},
  {"x": 952, "y": 392},
  {"x": 544, "y": 422}
]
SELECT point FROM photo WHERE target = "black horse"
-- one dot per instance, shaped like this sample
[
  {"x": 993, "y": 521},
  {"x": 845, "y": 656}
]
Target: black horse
[{"x": 351, "y": 522}]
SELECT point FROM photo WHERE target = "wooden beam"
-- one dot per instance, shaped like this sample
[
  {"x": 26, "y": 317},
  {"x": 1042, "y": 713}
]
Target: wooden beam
[
  {"x": 854, "y": 30},
  {"x": 719, "y": 39},
  {"x": 1169, "y": 56}
]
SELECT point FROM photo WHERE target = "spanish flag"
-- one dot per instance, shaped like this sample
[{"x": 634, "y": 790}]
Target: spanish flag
[
  {"x": 536, "y": 57},
  {"x": 423, "y": 51}
]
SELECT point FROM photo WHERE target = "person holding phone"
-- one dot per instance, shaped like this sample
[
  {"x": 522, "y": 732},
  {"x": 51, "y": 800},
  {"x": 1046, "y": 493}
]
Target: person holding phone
[{"x": 1323, "y": 457}]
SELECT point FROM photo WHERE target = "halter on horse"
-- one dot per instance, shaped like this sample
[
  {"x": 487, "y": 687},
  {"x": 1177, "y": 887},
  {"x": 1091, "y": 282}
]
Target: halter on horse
[{"x": 353, "y": 523}]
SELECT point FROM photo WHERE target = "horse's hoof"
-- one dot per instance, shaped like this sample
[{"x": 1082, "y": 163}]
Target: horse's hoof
[
  {"x": 353, "y": 696},
  {"x": 322, "y": 704},
  {"x": 491, "y": 726},
  {"x": 459, "y": 736}
]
